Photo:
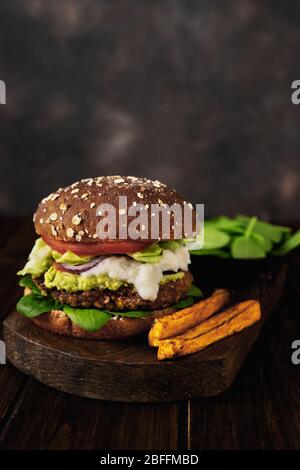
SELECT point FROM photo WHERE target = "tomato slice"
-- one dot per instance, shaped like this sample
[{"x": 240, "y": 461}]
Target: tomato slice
[{"x": 106, "y": 247}]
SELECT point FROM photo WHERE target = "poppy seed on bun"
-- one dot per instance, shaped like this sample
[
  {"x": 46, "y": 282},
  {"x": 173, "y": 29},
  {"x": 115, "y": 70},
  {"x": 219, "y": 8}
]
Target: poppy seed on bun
[{"x": 69, "y": 214}]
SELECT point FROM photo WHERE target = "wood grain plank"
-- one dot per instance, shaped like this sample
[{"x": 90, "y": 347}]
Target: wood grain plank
[
  {"x": 48, "y": 419},
  {"x": 262, "y": 409},
  {"x": 12, "y": 383}
]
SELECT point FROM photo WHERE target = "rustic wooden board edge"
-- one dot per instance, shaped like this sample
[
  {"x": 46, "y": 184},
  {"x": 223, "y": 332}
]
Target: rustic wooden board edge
[
  {"x": 108, "y": 381},
  {"x": 204, "y": 374}
]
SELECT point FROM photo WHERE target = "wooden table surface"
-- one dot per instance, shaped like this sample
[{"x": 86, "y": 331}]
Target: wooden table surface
[{"x": 260, "y": 411}]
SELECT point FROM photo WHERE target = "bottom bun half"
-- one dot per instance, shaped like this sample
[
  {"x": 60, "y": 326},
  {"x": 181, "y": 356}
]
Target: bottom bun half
[{"x": 120, "y": 328}]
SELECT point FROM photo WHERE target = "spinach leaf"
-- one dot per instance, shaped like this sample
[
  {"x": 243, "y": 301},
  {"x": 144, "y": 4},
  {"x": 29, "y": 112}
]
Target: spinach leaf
[
  {"x": 214, "y": 238},
  {"x": 133, "y": 313},
  {"x": 184, "y": 302},
  {"x": 33, "y": 305},
  {"x": 246, "y": 248},
  {"x": 27, "y": 281},
  {"x": 87, "y": 318},
  {"x": 273, "y": 233},
  {"x": 246, "y": 238},
  {"x": 290, "y": 244},
  {"x": 264, "y": 243},
  {"x": 194, "y": 291},
  {"x": 225, "y": 224}
]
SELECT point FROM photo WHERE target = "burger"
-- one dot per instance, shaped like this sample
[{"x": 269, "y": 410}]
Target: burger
[{"x": 85, "y": 279}]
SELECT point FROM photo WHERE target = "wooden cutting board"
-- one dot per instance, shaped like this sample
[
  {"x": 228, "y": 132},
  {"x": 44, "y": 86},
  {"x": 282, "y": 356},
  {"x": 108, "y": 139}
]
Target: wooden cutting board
[{"x": 129, "y": 371}]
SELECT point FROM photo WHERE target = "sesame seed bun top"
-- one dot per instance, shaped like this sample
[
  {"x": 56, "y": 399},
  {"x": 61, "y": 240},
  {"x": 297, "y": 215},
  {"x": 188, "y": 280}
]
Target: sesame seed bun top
[{"x": 69, "y": 214}]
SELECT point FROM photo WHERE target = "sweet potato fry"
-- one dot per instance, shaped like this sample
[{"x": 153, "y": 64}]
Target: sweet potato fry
[
  {"x": 179, "y": 322},
  {"x": 216, "y": 320},
  {"x": 227, "y": 323}
]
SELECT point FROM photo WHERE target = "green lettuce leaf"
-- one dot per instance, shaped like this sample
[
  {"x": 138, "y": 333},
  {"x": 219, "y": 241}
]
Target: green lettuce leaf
[
  {"x": 171, "y": 245},
  {"x": 39, "y": 259},
  {"x": 70, "y": 258},
  {"x": 193, "y": 243},
  {"x": 151, "y": 254}
]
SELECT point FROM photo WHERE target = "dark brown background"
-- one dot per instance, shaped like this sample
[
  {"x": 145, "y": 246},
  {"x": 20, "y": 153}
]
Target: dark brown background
[{"x": 196, "y": 93}]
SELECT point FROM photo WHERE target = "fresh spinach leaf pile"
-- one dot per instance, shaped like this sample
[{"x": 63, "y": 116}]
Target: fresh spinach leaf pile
[
  {"x": 89, "y": 319},
  {"x": 245, "y": 237}
]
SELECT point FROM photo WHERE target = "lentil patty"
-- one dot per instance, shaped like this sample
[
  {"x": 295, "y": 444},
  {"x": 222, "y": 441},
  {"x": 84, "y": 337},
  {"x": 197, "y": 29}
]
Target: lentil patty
[{"x": 125, "y": 298}]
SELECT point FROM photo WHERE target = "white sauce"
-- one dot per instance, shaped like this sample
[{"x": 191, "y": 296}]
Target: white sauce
[{"x": 144, "y": 276}]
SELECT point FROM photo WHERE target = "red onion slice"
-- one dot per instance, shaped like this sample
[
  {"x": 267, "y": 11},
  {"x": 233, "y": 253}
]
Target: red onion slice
[{"x": 79, "y": 268}]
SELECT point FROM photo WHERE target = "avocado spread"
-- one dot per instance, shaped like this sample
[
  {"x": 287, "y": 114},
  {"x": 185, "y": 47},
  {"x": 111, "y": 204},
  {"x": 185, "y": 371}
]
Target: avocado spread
[{"x": 74, "y": 282}]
